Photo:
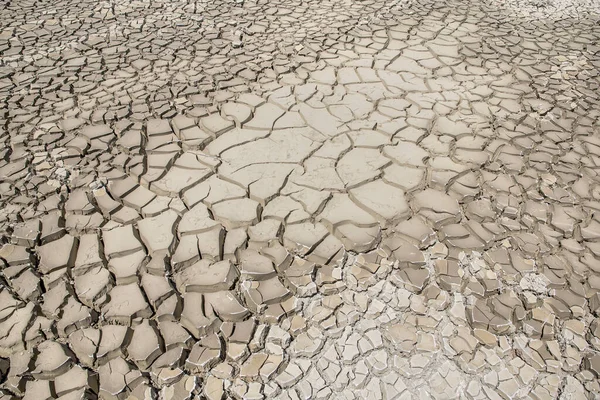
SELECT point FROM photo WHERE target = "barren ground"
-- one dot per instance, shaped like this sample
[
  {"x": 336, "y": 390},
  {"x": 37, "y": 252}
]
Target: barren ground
[{"x": 299, "y": 199}]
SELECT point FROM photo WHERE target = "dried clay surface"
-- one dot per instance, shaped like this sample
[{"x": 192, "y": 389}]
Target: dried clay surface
[{"x": 322, "y": 199}]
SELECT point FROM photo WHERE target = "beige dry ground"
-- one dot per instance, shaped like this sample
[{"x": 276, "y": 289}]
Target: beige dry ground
[{"x": 284, "y": 199}]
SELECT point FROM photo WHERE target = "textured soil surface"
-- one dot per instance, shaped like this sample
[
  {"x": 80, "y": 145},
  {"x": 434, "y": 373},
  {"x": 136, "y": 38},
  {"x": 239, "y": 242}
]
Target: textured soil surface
[{"x": 323, "y": 199}]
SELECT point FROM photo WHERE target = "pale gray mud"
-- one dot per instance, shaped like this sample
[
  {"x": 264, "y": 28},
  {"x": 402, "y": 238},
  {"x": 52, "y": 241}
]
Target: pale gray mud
[{"x": 299, "y": 199}]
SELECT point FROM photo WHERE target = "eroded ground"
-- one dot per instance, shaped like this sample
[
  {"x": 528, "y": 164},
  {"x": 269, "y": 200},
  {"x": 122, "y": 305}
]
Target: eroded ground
[{"x": 299, "y": 200}]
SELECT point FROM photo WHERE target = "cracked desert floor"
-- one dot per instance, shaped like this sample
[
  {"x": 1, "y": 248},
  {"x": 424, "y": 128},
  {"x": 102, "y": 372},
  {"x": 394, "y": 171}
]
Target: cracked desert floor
[{"x": 322, "y": 199}]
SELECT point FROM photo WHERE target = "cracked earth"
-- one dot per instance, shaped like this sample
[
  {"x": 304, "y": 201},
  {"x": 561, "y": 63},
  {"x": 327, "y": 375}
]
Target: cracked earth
[{"x": 333, "y": 199}]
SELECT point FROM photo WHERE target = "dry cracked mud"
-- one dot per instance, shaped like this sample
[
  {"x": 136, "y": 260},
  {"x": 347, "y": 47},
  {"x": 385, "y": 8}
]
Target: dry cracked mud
[{"x": 322, "y": 199}]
